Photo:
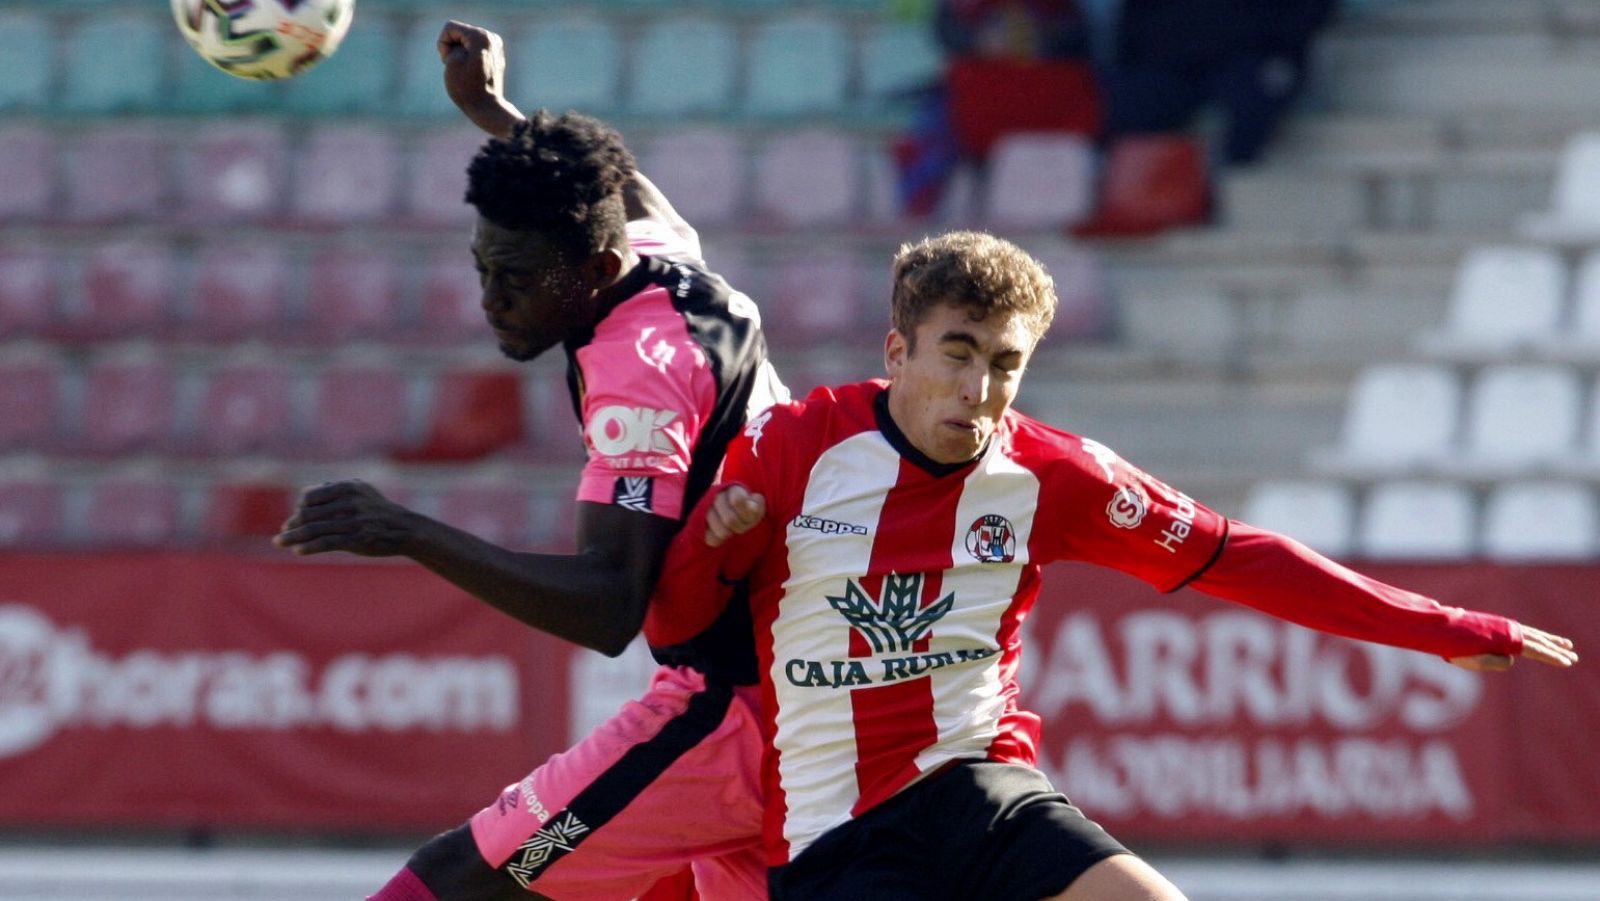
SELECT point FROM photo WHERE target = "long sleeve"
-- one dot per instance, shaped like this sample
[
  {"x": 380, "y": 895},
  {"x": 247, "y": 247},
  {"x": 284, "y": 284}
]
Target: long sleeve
[
  {"x": 1282, "y": 577},
  {"x": 697, "y": 581}
]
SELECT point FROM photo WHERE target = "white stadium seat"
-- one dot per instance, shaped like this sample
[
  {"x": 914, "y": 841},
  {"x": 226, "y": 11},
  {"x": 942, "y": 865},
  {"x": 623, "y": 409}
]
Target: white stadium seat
[
  {"x": 1540, "y": 521},
  {"x": 1400, "y": 415},
  {"x": 1039, "y": 180},
  {"x": 1523, "y": 415},
  {"x": 1504, "y": 298},
  {"x": 1319, "y": 514},
  {"x": 1574, "y": 214},
  {"x": 1417, "y": 521}
]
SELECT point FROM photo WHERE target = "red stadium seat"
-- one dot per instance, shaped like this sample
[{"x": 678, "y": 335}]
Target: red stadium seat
[
  {"x": 360, "y": 409},
  {"x": 346, "y": 174},
  {"x": 30, "y": 395},
  {"x": 27, "y": 156},
  {"x": 138, "y": 512},
  {"x": 128, "y": 288},
  {"x": 353, "y": 293},
  {"x": 497, "y": 512},
  {"x": 808, "y": 178},
  {"x": 239, "y": 292},
  {"x": 436, "y": 190},
  {"x": 473, "y": 413},
  {"x": 246, "y": 408},
  {"x": 245, "y": 512},
  {"x": 117, "y": 174},
  {"x": 1150, "y": 183},
  {"x": 32, "y": 512},
  {"x": 452, "y": 301},
  {"x": 235, "y": 173},
  {"x": 127, "y": 405},
  {"x": 29, "y": 289}
]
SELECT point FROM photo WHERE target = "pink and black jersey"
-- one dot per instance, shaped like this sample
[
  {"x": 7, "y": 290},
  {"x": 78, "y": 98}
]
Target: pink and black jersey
[
  {"x": 888, "y": 590},
  {"x": 675, "y": 365}
]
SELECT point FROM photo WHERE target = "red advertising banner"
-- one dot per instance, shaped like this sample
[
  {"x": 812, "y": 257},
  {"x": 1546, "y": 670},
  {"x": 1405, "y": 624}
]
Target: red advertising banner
[
  {"x": 1185, "y": 719},
  {"x": 192, "y": 690}
]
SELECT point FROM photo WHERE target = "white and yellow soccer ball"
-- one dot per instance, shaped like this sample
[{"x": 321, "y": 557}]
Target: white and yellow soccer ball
[{"x": 264, "y": 39}]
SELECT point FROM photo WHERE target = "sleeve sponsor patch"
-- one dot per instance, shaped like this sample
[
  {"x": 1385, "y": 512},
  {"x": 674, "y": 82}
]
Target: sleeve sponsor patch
[{"x": 634, "y": 493}]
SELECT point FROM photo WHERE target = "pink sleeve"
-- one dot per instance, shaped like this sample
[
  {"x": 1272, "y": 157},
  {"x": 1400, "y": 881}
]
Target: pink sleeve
[
  {"x": 646, "y": 397},
  {"x": 1284, "y": 578}
]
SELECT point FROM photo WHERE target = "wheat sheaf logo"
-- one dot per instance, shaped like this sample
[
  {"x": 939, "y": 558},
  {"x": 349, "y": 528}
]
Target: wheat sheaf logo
[{"x": 893, "y": 622}]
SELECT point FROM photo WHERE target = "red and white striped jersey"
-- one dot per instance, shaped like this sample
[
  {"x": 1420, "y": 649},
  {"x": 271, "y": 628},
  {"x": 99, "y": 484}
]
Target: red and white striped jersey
[
  {"x": 887, "y": 591},
  {"x": 888, "y": 621}
]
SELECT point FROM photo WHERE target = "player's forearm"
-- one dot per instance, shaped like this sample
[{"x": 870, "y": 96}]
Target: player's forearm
[
  {"x": 496, "y": 117},
  {"x": 581, "y": 598},
  {"x": 1279, "y": 576}
]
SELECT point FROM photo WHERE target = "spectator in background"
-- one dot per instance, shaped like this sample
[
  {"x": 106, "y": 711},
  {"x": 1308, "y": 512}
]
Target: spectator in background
[
  {"x": 1174, "y": 58},
  {"x": 1014, "y": 65}
]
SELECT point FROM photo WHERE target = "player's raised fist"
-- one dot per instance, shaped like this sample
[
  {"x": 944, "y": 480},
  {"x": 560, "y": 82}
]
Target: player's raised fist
[{"x": 475, "y": 76}]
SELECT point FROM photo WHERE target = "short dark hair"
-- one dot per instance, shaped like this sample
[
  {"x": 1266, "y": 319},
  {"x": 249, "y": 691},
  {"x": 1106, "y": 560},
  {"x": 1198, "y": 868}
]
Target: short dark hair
[
  {"x": 559, "y": 176},
  {"x": 978, "y": 271}
]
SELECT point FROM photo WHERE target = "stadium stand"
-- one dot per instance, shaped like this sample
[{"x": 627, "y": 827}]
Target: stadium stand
[{"x": 1380, "y": 234}]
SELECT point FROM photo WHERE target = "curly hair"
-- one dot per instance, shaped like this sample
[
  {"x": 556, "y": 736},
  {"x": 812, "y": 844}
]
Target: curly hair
[
  {"x": 978, "y": 271},
  {"x": 561, "y": 177}
]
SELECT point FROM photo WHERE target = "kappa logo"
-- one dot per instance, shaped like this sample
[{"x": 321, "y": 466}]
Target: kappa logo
[
  {"x": 544, "y": 847},
  {"x": 827, "y": 526},
  {"x": 892, "y": 623},
  {"x": 1128, "y": 507},
  {"x": 634, "y": 493},
  {"x": 992, "y": 539}
]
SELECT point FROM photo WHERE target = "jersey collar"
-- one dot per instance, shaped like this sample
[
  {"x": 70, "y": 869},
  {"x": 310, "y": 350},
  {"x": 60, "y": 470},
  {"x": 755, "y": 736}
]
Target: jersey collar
[
  {"x": 898, "y": 440},
  {"x": 646, "y": 271}
]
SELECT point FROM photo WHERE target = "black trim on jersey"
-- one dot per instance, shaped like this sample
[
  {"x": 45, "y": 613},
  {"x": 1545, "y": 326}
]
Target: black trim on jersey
[
  {"x": 902, "y": 444},
  {"x": 1215, "y": 555},
  {"x": 736, "y": 349},
  {"x": 453, "y": 869}
]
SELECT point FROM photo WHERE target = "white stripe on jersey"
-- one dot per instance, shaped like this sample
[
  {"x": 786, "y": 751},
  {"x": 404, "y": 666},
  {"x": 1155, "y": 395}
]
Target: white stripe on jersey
[
  {"x": 967, "y": 703},
  {"x": 814, "y": 733}
]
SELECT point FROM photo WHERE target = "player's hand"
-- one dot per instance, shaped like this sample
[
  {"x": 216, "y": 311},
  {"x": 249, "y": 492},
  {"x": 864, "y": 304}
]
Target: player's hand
[
  {"x": 349, "y": 516},
  {"x": 1537, "y": 645},
  {"x": 735, "y": 511},
  {"x": 475, "y": 76}
]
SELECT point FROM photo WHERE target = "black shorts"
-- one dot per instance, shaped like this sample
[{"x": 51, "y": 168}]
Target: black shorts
[{"x": 995, "y": 831}]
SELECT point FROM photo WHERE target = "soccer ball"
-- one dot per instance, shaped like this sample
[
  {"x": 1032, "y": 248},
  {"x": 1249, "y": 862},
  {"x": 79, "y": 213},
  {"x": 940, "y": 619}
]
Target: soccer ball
[{"x": 264, "y": 39}]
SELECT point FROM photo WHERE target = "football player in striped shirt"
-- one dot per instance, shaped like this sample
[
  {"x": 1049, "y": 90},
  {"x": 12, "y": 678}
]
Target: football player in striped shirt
[{"x": 893, "y": 534}]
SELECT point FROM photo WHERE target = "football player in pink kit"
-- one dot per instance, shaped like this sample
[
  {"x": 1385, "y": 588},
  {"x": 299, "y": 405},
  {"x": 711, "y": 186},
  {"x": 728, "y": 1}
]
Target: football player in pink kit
[
  {"x": 893, "y": 533},
  {"x": 665, "y": 363}
]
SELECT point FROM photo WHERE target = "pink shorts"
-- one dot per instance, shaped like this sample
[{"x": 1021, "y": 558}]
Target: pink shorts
[{"x": 673, "y": 777}]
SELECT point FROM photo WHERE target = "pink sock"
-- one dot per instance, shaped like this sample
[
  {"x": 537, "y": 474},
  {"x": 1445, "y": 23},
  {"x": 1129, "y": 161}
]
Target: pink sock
[{"x": 405, "y": 886}]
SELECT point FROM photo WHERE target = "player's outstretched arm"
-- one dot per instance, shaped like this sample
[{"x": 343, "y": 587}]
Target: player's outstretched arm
[
  {"x": 595, "y": 598},
  {"x": 1282, "y": 577},
  {"x": 475, "y": 78}
]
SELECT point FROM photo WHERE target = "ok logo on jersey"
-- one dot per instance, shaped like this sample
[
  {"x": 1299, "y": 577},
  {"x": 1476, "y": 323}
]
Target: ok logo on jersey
[{"x": 617, "y": 430}]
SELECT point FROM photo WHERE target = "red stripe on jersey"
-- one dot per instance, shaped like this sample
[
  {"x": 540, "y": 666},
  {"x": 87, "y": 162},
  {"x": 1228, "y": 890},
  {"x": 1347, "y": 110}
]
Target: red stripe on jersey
[
  {"x": 1018, "y": 741},
  {"x": 775, "y": 568},
  {"x": 894, "y": 722}
]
